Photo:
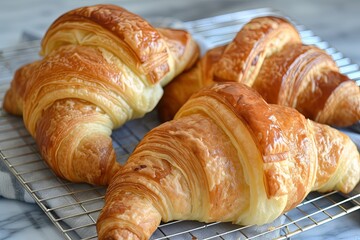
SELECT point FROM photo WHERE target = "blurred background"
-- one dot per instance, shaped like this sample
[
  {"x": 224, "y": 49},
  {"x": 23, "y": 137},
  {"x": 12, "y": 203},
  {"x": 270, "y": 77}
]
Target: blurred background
[{"x": 337, "y": 22}]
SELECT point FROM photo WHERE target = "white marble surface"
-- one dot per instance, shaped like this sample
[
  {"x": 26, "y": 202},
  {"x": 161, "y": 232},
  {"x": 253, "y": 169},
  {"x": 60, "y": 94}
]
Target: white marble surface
[
  {"x": 338, "y": 22},
  {"x": 20, "y": 220}
]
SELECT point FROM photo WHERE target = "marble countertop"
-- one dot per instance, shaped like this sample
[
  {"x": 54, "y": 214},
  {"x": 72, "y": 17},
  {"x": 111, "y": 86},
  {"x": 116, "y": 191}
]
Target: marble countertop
[{"x": 335, "y": 21}]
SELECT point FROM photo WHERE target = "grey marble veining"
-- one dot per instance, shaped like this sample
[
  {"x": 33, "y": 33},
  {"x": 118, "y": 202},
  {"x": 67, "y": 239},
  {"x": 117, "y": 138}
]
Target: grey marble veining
[
  {"x": 19, "y": 220},
  {"x": 337, "y": 22}
]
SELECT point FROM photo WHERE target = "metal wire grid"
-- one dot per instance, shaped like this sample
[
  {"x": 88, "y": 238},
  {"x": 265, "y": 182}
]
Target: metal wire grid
[{"x": 74, "y": 208}]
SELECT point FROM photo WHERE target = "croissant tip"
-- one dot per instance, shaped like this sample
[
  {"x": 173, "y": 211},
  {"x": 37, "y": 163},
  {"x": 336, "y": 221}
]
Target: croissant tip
[
  {"x": 119, "y": 234},
  {"x": 9, "y": 104}
]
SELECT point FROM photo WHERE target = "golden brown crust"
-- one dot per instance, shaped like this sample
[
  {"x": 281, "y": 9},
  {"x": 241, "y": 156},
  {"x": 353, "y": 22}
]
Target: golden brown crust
[
  {"x": 281, "y": 135},
  {"x": 178, "y": 91},
  {"x": 182, "y": 47},
  {"x": 259, "y": 38},
  {"x": 267, "y": 54},
  {"x": 342, "y": 108},
  {"x": 102, "y": 66},
  {"x": 14, "y": 97},
  {"x": 126, "y": 35},
  {"x": 307, "y": 79},
  {"x": 178, "y": 42},
  {"x": 227, "y": 156},
  {"x": 73, "y": 138},
  {"x": 238, "y": 61},
  {"x": 136, "y": 35},
  {"x": 289, "y": 72}
]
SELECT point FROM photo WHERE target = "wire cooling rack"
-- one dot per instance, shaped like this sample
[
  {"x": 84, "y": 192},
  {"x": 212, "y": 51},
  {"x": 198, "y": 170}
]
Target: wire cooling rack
[{"x": 74, "y": 208}]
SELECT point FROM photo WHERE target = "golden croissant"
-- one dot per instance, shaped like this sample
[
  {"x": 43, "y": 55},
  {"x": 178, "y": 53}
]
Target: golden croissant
[
  {"x": 268, "y": 55},
  {"x": 227, "y": 156},
  {"x": 102, "y": 66}
]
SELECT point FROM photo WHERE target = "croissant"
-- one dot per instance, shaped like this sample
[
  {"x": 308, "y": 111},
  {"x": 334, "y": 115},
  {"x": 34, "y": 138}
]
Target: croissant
[
  {"x": 102, "y": 66},
  {"x": 227, "y": 156},
  {"x": 267, "y": 54}
]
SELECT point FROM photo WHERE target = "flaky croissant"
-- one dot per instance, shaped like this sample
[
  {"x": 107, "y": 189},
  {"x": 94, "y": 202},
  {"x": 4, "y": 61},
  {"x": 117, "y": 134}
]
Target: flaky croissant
[
  {"x": 267, "y": 54},
  {"x": 227, "y": 156},
  {"x": 102, "y": 66}
]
